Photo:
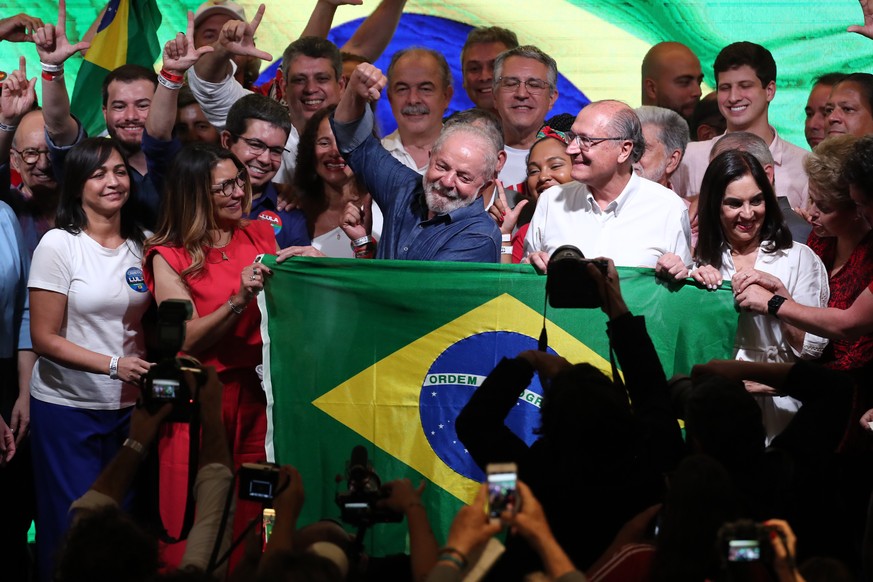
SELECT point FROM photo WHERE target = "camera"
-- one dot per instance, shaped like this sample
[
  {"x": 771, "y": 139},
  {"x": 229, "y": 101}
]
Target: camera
[
  {"x": 568, "y": 283},
  {"x": 165, "y": 381},
  {"x": 258, "y": 481},
  {"x": 747, "y": 541},
  {"x": 359, "y": 505}
]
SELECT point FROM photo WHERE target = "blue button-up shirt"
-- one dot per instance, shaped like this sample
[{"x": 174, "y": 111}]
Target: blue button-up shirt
[{"x": 466, "y": 234}]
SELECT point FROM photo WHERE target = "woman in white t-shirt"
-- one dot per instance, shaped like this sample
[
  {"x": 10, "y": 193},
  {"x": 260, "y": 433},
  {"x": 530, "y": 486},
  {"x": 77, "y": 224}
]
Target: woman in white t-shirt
[{"x": 87, "y": 299}]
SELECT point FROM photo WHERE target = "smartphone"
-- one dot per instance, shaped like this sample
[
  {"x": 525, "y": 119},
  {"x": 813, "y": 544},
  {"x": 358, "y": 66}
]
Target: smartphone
[
  {"x": 502, "y": 489},
  {"x": 269, "y": 518},
  {"x": 744, "y": 551}
]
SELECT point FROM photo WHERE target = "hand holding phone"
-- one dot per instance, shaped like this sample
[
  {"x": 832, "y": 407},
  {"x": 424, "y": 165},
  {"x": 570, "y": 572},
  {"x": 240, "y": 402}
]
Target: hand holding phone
[{"x": 502, "y": 489}]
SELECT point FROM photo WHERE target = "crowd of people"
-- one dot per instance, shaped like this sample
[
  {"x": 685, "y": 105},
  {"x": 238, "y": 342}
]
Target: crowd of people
[{"x": 202, "y": 172}]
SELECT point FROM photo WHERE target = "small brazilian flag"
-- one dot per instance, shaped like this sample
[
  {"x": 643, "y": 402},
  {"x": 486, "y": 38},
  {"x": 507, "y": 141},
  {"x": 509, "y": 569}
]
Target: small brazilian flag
[
  {"x": 385, "y": 354},
  {"x": 128, "y": 34}
]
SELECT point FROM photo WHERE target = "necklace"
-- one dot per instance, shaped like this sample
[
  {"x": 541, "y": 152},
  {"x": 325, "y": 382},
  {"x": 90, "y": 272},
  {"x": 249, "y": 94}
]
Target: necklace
[{"x": 220, "y": 248}]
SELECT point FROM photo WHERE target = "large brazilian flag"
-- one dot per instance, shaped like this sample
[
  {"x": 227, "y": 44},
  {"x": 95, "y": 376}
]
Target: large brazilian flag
[
  {"x": 127, "y": 34},
  {"x": 386, "y": 353}
]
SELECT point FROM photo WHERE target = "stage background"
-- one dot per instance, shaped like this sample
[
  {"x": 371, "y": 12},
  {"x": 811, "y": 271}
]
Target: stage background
[{"x": 598, "y": 44}]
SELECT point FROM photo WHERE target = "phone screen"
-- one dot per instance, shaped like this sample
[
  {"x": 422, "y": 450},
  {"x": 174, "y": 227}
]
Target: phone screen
[
  {"x": 744, "y": 551},
  {"x": 502, "y": 493},
  {"x": 269, "y": 517},
  {"x": 165, "y": 389}
]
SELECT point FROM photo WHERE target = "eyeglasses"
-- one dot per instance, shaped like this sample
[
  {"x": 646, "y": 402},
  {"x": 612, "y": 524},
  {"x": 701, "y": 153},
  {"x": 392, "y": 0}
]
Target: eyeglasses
[
  {"x": 31, "y": 155},
  {"x": 533, "y": 86},
  {"x": 227, "y": 187},
  {"x": 585, "y": 143},
  {"x": 258, "y": 147}
]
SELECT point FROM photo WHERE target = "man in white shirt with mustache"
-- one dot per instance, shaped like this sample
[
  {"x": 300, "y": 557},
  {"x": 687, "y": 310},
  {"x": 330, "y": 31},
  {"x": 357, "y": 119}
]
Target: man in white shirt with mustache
[{"x": 419, "y": 91}]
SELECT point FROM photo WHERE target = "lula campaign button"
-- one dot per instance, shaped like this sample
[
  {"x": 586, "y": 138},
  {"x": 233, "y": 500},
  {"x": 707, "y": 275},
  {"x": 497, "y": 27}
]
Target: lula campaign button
[
  {"x": 274, "y": 219},
  {"x": 135, "y": 280}
]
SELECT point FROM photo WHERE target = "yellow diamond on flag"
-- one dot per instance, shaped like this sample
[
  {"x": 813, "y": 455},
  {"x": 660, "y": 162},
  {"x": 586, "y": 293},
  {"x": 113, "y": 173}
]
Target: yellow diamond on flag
[{"x": 381, "y": 403}]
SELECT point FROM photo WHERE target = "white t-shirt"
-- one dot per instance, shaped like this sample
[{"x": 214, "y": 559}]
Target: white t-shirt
[
  {"x": 644, "y": 222},
  {"x": 106, "y": 299},
  {"x": 514, "y": 173}
]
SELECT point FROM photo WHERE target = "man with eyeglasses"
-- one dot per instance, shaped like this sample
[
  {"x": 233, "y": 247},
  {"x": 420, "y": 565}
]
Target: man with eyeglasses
[
  {"x": 609, "y": 211},
  {"x": 525, "y": 89},
  {"x": 256, "y": 131},
  {"x": 35, "y": 200}
]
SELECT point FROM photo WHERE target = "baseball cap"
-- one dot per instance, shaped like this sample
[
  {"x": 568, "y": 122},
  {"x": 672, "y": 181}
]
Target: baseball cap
[{"x": 212, "y": 7}]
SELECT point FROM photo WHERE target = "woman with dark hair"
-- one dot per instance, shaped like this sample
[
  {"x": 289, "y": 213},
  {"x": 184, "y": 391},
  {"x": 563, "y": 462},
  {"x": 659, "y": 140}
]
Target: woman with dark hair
[
  {"x": 205, "y": 252},
  {"x": 327, "y": 191},
  {"x": 87, "y": 301},
  {"x": 742, "y": 236}
]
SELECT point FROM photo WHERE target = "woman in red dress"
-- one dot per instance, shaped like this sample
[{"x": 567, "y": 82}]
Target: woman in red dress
[{"x": 205, "y": 251}]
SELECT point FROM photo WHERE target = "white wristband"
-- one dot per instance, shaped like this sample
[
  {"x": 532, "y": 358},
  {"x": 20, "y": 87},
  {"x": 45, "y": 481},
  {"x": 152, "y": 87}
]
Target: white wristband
[
  {"x": 505, "y": 237},
  {"x": 49, "y": 68},
  {"x": 113, "y": 368},
  {"x": 505, "y": 250}
]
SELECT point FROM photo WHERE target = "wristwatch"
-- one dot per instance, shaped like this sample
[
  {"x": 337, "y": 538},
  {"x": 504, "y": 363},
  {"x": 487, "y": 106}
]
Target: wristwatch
[{"x": 774, "y": 304}]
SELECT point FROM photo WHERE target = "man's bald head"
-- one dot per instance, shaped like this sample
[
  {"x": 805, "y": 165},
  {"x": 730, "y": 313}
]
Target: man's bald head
[{"x": 671, "y": 78}]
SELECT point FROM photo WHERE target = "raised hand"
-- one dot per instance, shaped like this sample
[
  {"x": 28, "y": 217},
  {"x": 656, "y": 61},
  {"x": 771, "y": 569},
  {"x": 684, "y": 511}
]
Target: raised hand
[
  {"x": 180, "y": 54},
  {"x": 18, "y": 95},
  {"x": 51, "y": 41},
  {"x": 238, "y": 37},
  {"x": 357, "y": 221},
  {"x": 19, "y": 28},
  {"x": 865, "y": 29},
  {"x": 505, "y": 217},
  {"x": 367, "y": 82}
]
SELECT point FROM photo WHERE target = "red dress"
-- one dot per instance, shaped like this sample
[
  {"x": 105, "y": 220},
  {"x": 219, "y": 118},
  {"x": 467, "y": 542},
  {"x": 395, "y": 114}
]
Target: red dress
[
  {"x": 846, "y": 285},
  {"x": 234, "y": 356}
]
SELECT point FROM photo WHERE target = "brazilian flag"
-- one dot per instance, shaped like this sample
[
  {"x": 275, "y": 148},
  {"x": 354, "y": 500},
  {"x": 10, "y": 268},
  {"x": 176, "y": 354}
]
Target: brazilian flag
[
  {"x": 128, "y": 34},
  {"x": 386, "y": 353}
]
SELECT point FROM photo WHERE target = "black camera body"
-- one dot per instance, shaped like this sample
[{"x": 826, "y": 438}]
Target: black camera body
[
  {"x": 165, "y": 381},
  {"x": 258, "y": 482},
  {"x": 568, "y": 283},
  {"x": 359, "y": 505},
  {"x": 747, "y": 541}
]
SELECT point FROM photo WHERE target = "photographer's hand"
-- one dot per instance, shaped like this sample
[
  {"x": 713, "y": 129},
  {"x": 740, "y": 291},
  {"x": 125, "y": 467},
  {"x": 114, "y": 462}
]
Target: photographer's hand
[
  {"x": 547, "y": 365},
  {"x": 423, "y": 547},
  {"x": 783, "y": 551},
  {"x": 609, "y": 288},
  {"x": 288, "y": 504},
  {"x": 530, "y": 522},
  {"x": 471, "y": 527},
  {"x": 117, "y": 477}
]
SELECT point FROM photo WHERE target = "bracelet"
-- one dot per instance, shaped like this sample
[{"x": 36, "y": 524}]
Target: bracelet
[
  {"x": 359, "y": 242},
  {"x": 505, "y": 250},
  {"x": 171, "y": 77},
  {"x": 49, "y": 76},
  {"x": 113, "y": 368},
  {"x": 445, "y": 554},
  {"x": 452, "y": 559},
  {"x": 171, "y": 85},
  {"x": 136, "y": 446},
  {"x": 505, "y": 238},
  {"x": 50, "y": 68},
  {"x": 7, "y": 128},
  {"x": 238, "y": 309}
]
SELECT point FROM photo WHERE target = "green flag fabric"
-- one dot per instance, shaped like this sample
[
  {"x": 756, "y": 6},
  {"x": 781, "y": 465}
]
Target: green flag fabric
[
  {"x": 386, "y": 353},
  {"x": 128, "y": 34}
]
